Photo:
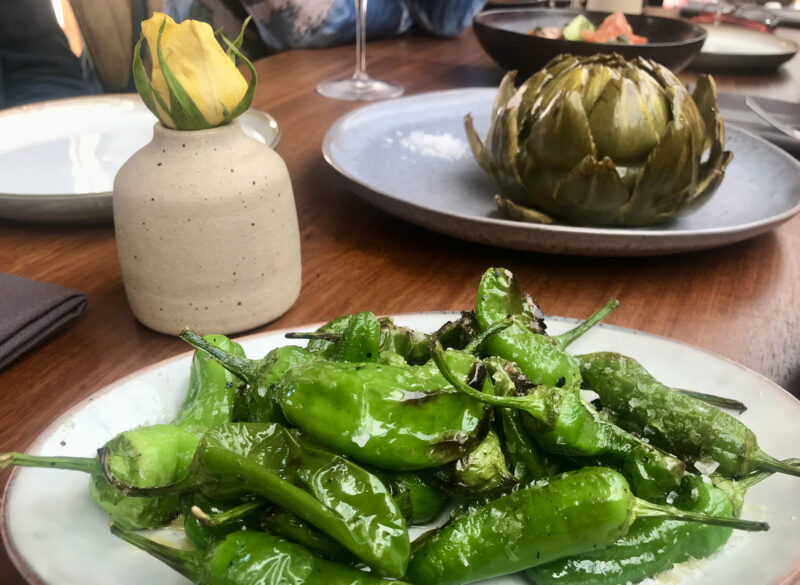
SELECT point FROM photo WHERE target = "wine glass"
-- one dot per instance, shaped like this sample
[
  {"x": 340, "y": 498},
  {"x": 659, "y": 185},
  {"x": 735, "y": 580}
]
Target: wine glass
[{"x": 360, "y": 86}]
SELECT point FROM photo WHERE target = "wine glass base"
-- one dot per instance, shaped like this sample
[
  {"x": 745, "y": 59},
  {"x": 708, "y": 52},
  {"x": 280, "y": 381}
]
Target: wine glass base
[{"x": 353, "y": 89}]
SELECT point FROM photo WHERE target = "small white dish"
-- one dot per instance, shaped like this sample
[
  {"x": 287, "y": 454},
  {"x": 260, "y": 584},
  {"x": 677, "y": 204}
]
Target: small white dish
[
  {"x": 58, "y": 158},
  {"x": 55, "y": 535}
]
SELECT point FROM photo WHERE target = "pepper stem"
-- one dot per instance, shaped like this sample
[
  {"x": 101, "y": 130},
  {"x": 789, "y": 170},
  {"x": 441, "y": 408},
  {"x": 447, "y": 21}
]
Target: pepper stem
[
  {"x": 243, "y": 368},
  {"x": 85, "y": 464},
  {"x": 768, "y": 463},
  {"x": 714, "y": 400},
  {"x": 228, "y": 516},
  {"x": 566, "y": 339},
  {"x": 188, "y": 563},
  {"x": 532, "y": 404},
  {"x": 324, "y": 335},
  {"x": 476, "y": 342},
  {"x": 645, "y": 509},
  {"x": 187, "y": 484}
]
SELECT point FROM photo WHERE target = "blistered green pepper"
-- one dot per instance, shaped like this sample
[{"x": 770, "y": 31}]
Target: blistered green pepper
[
  {"x": 252, "y": 558},
  {"x": 341, "y": 499},
  {"x": 482, "y": 470},
  {"x": 258, "y": 402},
  {"x": 653, "y": 545},
  {"x": 419, "y": 501},
  {"x": 572, "y": 513},
  {"x": 402, "y": 418},
  {"x": 690, "y": 428},
  {"x": 155, "y": 454},
  {"x": 565, "y": 424}
]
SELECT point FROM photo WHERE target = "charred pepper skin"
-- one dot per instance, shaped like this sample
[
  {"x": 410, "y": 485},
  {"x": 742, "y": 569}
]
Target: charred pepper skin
[
  {"x": 676, "y": 422},
  {"x": 525, "y": 342},
  {"x": 399, "y": 418}
]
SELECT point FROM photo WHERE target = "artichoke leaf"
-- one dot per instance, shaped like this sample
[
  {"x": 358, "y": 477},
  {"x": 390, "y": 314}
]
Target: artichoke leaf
[
  {"x": 504, "y": 93},
  {"x": 519, "y": 212},
  {"x": 597, "y": 79},
  {"x": 591, "y": 194},
  {"x": 684, "y": 110},
  {"x": 705, "y": 96},
  {"x": 561, "y": 138},
  {"x": 654, "y": 99},
  {"x": 476, "y": 145},
  {"x": 503, "y": 153},
  {"x": 620, "y": 124},
  {"x": 667, "y": 180}
]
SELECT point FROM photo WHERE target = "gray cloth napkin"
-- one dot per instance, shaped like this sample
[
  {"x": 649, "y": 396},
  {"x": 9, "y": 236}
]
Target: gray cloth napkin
[
  {"x": 734, "y": 110},
  {"x": 31, "y": 311}
]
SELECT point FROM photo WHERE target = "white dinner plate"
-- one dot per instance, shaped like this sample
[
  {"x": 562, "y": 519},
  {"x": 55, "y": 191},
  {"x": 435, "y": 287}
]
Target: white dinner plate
[
  {"x": 410, "y": 157},
  {"x": 58, "y": 158},
  {"x": 733, "y": 48},
  {"x": 56, "y": 536}
]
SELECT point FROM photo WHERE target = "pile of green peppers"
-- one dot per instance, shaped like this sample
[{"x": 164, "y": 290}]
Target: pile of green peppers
[{"x": 309, "y": 465}]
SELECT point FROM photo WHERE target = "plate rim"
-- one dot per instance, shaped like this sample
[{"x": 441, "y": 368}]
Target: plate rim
[
  {"x": 116, "y": 98},
  {"x": 614, "y": 233},
  {"x": 30, "y": 575}
]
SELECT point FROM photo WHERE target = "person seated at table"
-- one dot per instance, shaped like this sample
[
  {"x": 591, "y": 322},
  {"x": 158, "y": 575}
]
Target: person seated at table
[
  {"x": 291, "y": 24},
  {"x": 36, "y": 62}
]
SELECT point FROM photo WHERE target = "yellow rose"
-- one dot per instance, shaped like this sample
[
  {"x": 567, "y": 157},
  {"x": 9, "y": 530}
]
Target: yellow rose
[{"x": 194, "y": 84}]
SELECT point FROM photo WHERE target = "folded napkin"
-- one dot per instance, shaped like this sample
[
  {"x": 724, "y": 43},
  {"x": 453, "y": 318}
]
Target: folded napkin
[
  {"x": 31, "y": 311},
  {"x": 735, "y": 111}
]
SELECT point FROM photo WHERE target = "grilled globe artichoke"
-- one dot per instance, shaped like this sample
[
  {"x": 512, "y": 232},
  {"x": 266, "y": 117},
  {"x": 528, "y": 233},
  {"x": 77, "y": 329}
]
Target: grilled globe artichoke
[{"x": 602, "y": 141}]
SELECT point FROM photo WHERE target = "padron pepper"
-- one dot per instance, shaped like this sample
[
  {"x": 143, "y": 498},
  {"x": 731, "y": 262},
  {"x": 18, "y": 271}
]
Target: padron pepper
[
  {"x": 563, "y": 423},
  {"x": 401, "y": 418},
  {"x": 541, "y": 358},
  {"x": 419, "y": 501},
  {"x": 681, "y": 424},
  {"x": 482, "y": 470},
  {"x": 252, "y": 558},
  {"x": 653, "y": 545},
  {"x": 258, "y": 401},
  {"x": 155, "y": 454},
  {"x": 569, "y": 514},
  {"x": 341, "y": 499},
  {"x": 527, "y": 460}
]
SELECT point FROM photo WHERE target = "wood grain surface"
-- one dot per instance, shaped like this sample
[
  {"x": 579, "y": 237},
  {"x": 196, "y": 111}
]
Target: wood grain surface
[{"x": 740, "y": 301}]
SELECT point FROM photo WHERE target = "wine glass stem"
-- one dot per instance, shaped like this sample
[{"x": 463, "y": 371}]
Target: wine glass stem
[{"x": 361, "y": 40}]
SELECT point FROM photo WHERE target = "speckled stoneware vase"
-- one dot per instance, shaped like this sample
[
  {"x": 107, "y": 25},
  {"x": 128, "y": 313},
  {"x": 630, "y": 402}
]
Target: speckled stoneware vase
[{"x": 207, "y": 231}]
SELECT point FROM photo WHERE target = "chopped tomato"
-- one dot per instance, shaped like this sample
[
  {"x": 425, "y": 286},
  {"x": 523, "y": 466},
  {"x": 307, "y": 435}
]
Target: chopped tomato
[{"x": 614, "y": 28}]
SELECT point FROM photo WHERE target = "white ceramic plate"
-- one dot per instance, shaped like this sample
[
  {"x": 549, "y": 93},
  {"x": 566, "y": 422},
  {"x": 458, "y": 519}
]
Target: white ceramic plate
[
  {"x": 58, "y": 158},
  {"x": 410, "y": 157},
  {"x": 733, "y": 48},
  {"x": 56, "y": 536}
]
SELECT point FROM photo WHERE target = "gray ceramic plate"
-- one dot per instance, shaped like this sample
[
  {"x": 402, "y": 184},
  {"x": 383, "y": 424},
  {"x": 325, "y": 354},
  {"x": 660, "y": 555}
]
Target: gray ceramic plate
[
  {"x": 410, "y": 157},
  {"x": 58, "y": 158}
]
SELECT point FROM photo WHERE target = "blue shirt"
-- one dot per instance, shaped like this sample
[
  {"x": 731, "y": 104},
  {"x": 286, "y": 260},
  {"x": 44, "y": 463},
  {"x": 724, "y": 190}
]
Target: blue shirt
[{"x": 290, "y": 24}]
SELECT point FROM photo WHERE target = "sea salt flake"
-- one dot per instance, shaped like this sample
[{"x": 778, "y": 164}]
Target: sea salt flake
[{"x": 445, "y": 146}]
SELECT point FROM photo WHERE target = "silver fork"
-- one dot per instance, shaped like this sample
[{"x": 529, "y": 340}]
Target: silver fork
[{"x": 770, "y": 119}]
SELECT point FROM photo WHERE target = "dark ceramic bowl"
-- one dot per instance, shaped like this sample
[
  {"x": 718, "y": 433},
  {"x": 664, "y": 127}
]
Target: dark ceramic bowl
[{"x": 503, "y": 34}]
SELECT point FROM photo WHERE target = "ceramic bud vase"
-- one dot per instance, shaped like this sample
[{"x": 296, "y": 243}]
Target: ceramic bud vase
[{"x": 207, "y": 231}]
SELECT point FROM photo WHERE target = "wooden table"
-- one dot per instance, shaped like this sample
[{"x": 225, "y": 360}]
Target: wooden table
[{"x": 741, "y": 301}]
